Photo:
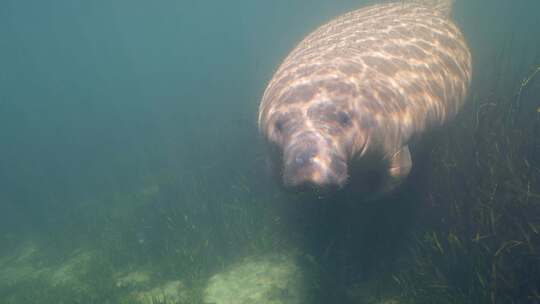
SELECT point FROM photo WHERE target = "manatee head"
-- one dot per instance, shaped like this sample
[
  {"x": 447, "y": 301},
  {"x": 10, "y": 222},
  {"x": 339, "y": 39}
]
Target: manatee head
[{"x": 316, "y": 132}]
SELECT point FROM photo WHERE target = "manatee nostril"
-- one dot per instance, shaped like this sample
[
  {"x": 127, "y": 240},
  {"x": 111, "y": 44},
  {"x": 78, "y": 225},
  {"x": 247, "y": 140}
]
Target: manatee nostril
[{"x": 303, "y": 158}]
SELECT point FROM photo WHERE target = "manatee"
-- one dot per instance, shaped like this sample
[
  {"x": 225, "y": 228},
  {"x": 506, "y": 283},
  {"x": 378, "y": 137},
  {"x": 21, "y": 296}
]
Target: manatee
[{"x": 353, "y": 95}]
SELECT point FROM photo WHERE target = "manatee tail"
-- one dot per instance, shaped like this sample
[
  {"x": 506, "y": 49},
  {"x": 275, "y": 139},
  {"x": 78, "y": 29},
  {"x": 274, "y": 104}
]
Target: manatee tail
[{"x": 443, "y": 6}]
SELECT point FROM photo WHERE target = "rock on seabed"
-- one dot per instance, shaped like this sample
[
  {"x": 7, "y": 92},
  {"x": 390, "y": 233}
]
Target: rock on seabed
[{"x": 270, "y": 279}]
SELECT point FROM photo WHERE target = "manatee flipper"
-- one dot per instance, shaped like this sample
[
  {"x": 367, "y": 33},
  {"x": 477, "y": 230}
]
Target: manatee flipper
[{"x": 398, "y": 169}]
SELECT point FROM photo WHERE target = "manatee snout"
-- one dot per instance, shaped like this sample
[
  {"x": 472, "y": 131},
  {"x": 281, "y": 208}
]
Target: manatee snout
[{"x": 310, "y": 165}]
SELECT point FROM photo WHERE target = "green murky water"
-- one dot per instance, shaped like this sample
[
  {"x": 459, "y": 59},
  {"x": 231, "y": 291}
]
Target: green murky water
[{"x": 131, "y": 170}]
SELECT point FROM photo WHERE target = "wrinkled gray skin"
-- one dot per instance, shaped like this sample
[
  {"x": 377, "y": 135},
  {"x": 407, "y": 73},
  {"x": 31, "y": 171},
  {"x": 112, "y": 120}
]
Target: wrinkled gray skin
[{"x": 355, "y": 92}]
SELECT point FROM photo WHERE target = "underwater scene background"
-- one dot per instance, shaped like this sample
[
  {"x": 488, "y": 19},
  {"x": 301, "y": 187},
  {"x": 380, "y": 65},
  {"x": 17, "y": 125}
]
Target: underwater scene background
[{"x": 132, "y": 171}]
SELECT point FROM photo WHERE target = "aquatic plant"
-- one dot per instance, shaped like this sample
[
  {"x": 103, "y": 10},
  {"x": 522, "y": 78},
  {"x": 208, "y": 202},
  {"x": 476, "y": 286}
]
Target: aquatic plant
[{"x": 485, "y": 245}]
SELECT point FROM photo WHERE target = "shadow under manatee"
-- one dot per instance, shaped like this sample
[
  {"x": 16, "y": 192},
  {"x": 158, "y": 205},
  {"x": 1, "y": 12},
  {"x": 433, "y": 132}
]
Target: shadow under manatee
[{"x": 353, "y": 242}]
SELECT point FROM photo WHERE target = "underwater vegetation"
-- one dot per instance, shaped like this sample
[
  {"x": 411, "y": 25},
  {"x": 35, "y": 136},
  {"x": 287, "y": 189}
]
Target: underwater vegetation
[
  {"x": 483, "y": 245},
  {"x": 160, "y": 244},
  {"x": 195, "y": 239},
  {"x": 207, "y": 232}
]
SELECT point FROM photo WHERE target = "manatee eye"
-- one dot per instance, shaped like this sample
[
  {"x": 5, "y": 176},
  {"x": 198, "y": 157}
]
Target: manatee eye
[
  {"x": 343, "y": 118},
  {"x": 279, "y": 125}
]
